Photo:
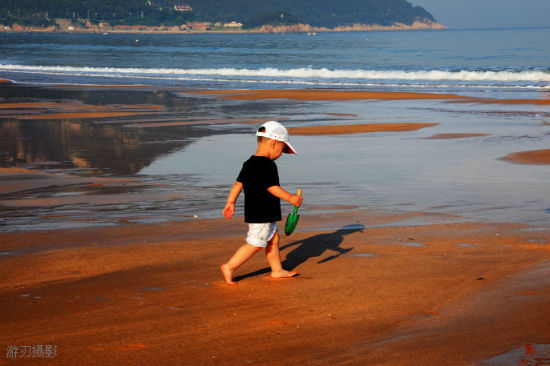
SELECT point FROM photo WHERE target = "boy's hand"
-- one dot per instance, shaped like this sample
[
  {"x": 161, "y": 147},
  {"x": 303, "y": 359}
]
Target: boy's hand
[
  {"x": 229, "y": 210},
  {"x": 296, "y": 200},
  {"x": 277, "y": 191}
]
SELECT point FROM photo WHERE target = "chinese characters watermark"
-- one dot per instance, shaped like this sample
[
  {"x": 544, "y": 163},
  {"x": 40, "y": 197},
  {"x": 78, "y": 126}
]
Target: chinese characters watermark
[{"x": 31, "y": 351}]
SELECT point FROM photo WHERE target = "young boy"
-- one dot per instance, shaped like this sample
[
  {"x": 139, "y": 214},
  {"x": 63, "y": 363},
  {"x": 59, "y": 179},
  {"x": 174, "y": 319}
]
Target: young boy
[{"x": 262, "y": 206}]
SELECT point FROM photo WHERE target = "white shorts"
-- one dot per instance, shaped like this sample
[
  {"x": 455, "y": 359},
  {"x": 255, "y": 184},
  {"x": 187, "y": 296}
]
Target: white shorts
[{"x": 259, "y": 234}]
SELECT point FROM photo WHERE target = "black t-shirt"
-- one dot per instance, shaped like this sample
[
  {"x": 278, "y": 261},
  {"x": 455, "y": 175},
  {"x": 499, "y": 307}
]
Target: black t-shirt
[{"x": 257, "y": 175}]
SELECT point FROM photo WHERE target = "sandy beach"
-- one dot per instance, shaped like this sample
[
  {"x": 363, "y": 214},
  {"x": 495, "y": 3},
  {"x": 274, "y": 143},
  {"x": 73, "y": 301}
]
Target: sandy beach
[
  {"x": 370, "y": 291},
  {"x": 375, "y": 286}
]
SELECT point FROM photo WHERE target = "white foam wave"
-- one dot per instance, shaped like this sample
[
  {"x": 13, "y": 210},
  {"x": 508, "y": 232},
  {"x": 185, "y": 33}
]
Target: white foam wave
[{"x": 504, "y": 78}]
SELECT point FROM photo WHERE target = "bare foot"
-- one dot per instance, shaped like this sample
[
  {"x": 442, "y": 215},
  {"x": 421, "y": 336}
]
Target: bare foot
[
  {"x": 228, "y": 275},
  {"x": 283, "y": 274}
]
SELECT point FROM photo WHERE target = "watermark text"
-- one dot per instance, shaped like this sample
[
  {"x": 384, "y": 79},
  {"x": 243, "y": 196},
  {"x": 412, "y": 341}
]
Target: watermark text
[{"x": 31, "y": 351}]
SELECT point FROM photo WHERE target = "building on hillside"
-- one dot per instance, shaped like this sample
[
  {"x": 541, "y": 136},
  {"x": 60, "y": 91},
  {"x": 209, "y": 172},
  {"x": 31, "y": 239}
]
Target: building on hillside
[
  {"x": 199, "y": 26},
  {"x": 129, "y": 28},
  {"x": 233, "y": 24},
  {"x": 182, "y": 7},
  {"x": 64, "y": 24}
]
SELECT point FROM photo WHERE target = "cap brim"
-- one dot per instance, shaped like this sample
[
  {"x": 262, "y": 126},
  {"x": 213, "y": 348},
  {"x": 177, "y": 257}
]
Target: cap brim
[{"x": 288, "y": 149}]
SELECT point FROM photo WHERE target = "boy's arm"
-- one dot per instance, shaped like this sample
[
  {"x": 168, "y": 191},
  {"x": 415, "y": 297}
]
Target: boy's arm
[
  {"x": 229, "y": 208},
  {"x": 277, "y": 191}
]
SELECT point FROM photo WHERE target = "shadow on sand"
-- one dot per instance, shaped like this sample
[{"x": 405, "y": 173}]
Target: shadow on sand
[{"x": 312, "y": 247}]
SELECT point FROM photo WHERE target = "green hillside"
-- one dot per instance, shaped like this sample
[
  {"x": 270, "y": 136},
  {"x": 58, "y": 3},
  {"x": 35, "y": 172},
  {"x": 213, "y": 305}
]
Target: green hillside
[
  {"x": 252, "y": 13},
  {"x": 321, "y": 13}
]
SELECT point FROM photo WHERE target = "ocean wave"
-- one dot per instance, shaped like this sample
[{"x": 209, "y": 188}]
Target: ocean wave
[{"x": 525, "y": 78}]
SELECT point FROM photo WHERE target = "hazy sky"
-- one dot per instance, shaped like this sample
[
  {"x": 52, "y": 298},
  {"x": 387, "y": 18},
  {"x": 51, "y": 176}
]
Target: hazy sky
[{"x": 488, "y": 13}]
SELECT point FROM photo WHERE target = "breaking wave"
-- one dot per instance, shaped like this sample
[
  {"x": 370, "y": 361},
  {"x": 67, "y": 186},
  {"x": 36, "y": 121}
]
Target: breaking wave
[{"x": 508, "y": 78}]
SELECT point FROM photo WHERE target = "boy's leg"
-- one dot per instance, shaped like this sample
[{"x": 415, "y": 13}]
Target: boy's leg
[
  {"x": 241, "y": 255},
  {"x": 274, "y": 259}
]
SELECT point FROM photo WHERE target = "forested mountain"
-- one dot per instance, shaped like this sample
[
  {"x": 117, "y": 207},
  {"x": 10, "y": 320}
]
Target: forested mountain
[{"x": 320, "y": 13}]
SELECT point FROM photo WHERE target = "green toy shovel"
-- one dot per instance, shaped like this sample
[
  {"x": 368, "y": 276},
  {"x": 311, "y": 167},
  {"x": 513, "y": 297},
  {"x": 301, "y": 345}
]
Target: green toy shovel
[{"x": 292, "y": 219}]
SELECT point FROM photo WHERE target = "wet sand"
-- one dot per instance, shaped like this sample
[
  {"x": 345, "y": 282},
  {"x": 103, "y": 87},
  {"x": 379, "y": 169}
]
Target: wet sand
[
  {"x": 320, "y": 94},
  {"x": 153, "y": 123},
  {"x": 53, "y": 106},
  {"x": 78, "y": 115},
  {"x": 96, "y": 86},
  {"x": 536, "y": 157},
  {"x": 40, "y": 110},
  {"x": 448, "y": 136},
  {"x": 342, "y": 114},
  {"x": 442, "y": 293},
  {"x": 358, "y": 128}
]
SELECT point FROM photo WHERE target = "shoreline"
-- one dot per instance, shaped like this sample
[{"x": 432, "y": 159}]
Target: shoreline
[{"x": 266, "y": 29}]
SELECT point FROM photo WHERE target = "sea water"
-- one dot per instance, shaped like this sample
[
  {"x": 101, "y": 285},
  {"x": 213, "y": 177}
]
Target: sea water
[
  {"x": 396, "y": 170},
  {"x": 471, "y": 61}
]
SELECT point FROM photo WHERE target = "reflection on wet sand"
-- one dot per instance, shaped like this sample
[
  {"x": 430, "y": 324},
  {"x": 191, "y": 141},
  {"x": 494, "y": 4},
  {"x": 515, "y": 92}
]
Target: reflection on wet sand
[
  {"x": 105, "y": 130},
  {"x": 59, "y": 143},
  {"x": 69, "y": 143},
  {"x": 83, "y": 128}
]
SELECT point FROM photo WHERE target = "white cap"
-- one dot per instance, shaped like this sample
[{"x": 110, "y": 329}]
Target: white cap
[{"x": 276, "y": 131}]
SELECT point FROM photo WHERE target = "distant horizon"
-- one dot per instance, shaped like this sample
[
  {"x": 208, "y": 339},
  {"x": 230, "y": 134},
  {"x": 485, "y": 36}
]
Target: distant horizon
[
  {"x": 483, "y": 14},
  {"x": 493, "y": 28}
]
